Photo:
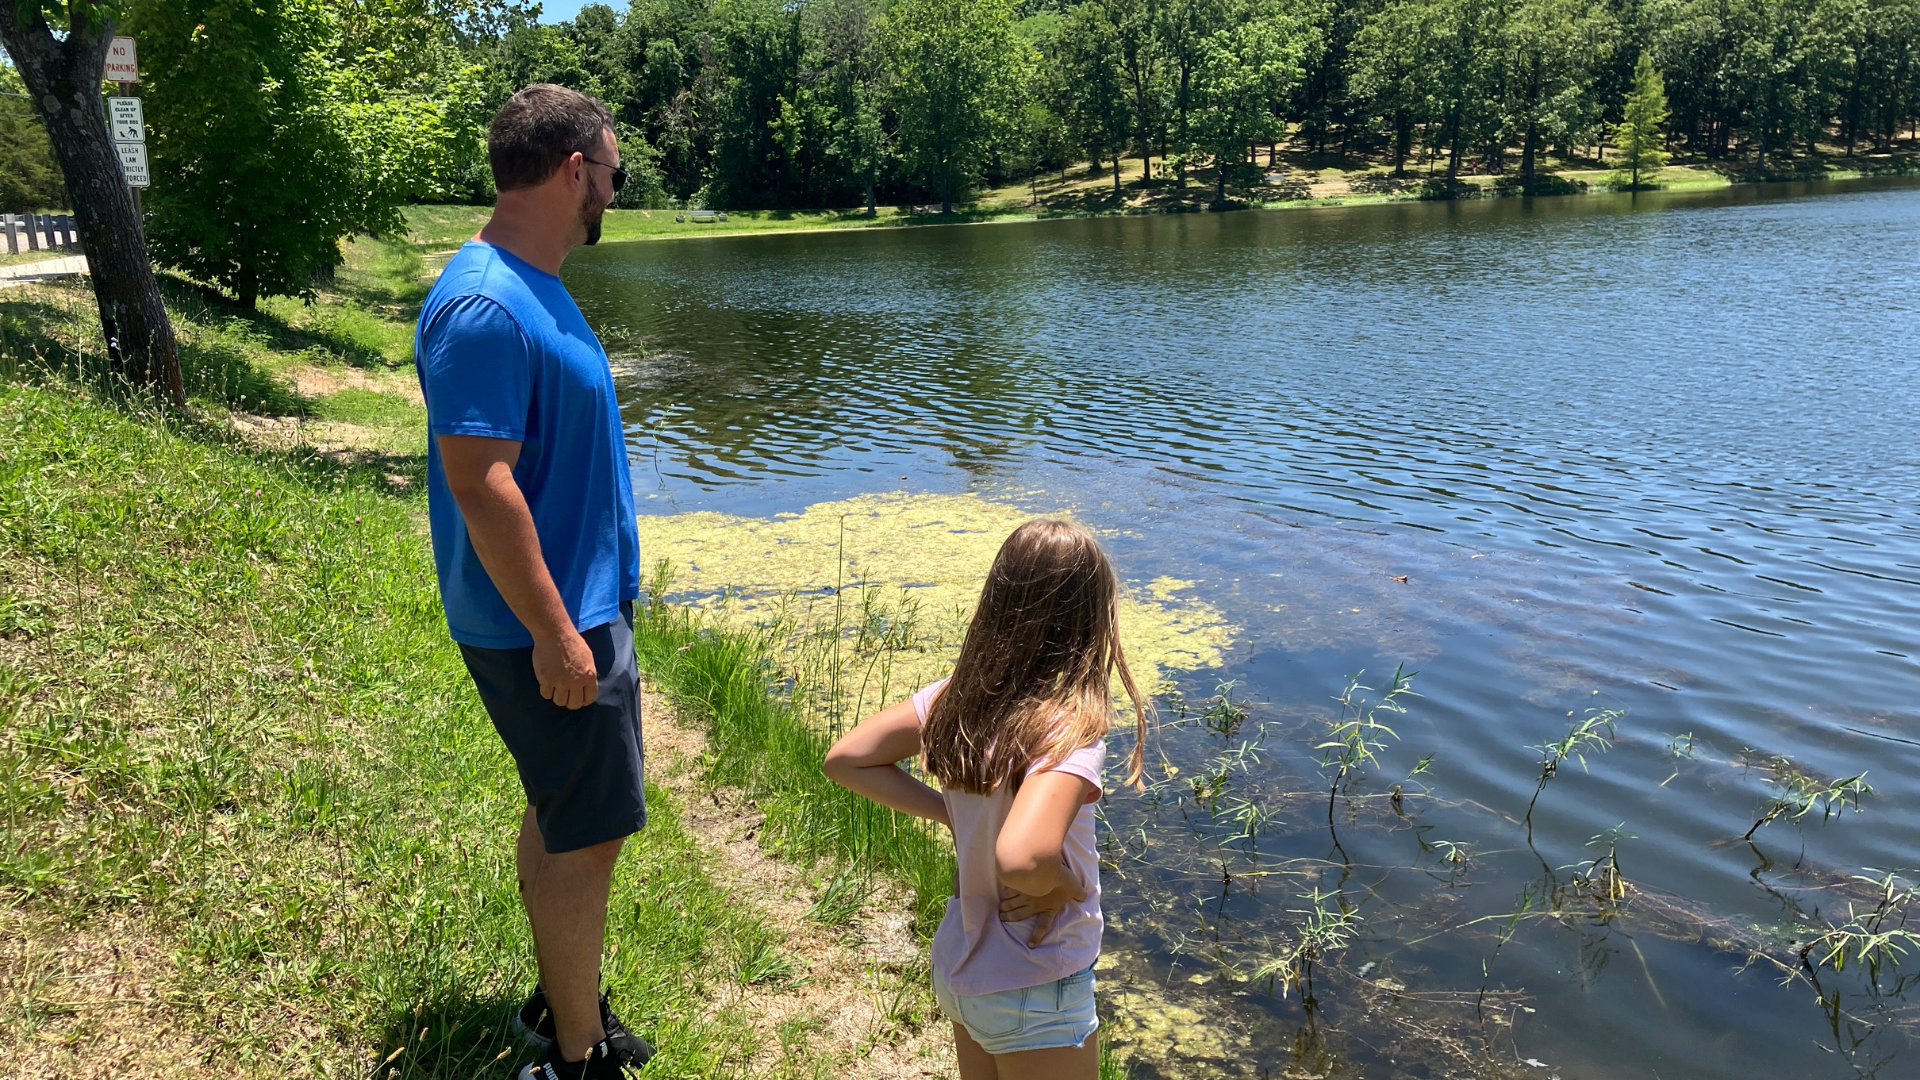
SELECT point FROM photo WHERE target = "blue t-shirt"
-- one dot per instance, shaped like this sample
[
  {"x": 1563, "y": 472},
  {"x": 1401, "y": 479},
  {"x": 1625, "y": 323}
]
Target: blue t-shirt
[{"x": 504, "y": 353}]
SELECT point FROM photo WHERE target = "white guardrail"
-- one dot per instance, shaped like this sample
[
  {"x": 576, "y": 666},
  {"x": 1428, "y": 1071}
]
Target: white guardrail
[{"x": 39, "y": 232}]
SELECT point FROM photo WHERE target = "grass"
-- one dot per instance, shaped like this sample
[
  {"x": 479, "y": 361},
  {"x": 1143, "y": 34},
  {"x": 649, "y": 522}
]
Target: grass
[
  {"x": 759, "y": 741},
  {"x": 232, "y": 713},
  {"x": 235, "y": 738}
]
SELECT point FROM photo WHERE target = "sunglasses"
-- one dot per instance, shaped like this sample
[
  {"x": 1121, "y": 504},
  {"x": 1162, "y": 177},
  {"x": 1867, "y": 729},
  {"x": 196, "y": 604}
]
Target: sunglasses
[{"x": 619, "y": 173}]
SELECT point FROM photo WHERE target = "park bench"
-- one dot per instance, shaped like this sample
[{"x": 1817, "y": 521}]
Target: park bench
[{"x": 698, "y": 216}]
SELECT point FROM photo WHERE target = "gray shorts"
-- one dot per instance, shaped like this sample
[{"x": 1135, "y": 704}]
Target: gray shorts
[{"x": 583, "y": 769}]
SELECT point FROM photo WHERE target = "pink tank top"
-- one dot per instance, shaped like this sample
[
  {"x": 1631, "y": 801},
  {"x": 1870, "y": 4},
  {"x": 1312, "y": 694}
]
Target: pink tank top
[{"x": 973, "y": 950}]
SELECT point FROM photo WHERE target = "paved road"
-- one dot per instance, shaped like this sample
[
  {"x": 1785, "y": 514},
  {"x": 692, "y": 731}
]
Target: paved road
[{"x": 22, "y": 273}]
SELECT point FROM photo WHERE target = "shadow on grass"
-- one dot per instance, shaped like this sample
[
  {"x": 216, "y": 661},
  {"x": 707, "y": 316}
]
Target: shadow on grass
[
  {"x": 455, "y": 1037},
  {"x": 46, "y": 342},
  {"x": 344, "y": 333}
]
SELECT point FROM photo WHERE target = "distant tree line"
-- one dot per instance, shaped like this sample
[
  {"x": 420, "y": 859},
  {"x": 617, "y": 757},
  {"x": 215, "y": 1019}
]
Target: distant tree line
[
  {"x": 777, "y": 103},
  {"x": 277, "y": 127}
]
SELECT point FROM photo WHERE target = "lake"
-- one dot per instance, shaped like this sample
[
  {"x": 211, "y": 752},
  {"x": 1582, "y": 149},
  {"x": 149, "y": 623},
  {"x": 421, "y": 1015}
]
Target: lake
[{"x": 1649, "y": 454}]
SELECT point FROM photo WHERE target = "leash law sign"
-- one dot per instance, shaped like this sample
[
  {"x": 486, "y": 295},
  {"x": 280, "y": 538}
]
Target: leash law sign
[{"x": 133, "y": 162}]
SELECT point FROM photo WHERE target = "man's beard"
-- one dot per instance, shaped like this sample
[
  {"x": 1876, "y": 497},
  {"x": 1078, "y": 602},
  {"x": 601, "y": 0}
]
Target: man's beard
[{"x": 592, "y": 209}]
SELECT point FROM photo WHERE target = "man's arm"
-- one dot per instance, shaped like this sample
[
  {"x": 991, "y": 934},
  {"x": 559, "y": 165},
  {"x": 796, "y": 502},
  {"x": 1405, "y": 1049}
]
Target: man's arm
[{"x": 480, "y": 475}]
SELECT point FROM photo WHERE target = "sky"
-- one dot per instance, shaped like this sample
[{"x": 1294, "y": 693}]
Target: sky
[{"x": 558, "y": 11}]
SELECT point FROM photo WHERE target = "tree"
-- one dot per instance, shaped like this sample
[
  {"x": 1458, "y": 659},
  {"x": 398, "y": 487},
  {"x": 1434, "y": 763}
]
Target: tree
[
  {"x": 1094, "y": 90},
  {"x": 29, "y": 177},
  {"x": 1134, "y": 23},
  {"x": 1183, "y": 29},
  {"x": 845, "y": 29},
  {"x": 951, "y": 61},
  {"x": 1462, "y": 80},
  {"x": 62, "y": 73},
  {"x": 264, "y": 156},
  {"x": 765, "y": 116},
  {"x": 1547, "y": 51},
  {"x": 1639, "y": 137},
  {"x": 1392, "y": 68},
  {"x": 1245, "y": 73}
]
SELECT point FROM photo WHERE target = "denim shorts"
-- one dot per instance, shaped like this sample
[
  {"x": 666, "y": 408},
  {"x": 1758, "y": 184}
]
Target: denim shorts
[{"x": 1045, "y": 1017}]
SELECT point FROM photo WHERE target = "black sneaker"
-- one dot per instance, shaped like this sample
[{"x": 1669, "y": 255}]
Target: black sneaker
[
  {"x": 534, "y": 1024},
  {"x": 600, "y": 1064}
]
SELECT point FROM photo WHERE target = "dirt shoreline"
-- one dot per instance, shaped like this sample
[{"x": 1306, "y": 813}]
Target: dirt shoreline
[{"x": 859, "y": 991}]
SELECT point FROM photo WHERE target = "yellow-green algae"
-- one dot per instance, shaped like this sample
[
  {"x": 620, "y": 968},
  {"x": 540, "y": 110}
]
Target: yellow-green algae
[{"x": 929, "y": 550}]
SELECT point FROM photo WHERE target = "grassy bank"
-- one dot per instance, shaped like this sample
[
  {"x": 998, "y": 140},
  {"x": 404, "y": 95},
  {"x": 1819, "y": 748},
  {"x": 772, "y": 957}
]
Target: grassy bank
[
  {"x": 254, "y": 820},
  {"x": 1298, "y": 183},
  {"x": 758, "y": 743},
  {"x": 236, "y": 732}
]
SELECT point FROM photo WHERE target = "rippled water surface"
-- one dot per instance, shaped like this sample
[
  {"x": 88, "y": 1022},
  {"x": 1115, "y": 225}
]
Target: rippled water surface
[{"x": 1653, "y": 453}]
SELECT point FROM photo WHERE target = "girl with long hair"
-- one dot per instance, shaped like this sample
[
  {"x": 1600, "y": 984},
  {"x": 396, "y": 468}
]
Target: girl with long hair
[{"x": 1016, "y": 737}]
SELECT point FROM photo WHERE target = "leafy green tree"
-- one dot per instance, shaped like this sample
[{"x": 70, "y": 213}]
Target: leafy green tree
[
  {"x": 1639, "y": 136},
  {"x": 951, "y": 62},
  {"x": 1464, "y": 75},
  {"x": 259, "y": 166},
  {"x": 1246, "y": 71},
  {"x": 29, "y": 177},
  {"x": 1094, "y": 92},
  {"x": 1041, "y": 140},
  {"x": 766, "y": 118},
  {"x": 60, "y": 50},
  {"x": 1184, "y": 28},
  {"x": 1139, "y": 55},
  {"x": 1548, "y": 50},
  {"x": 1392, "y": 70},
  {"x": 848, "y": 55}
]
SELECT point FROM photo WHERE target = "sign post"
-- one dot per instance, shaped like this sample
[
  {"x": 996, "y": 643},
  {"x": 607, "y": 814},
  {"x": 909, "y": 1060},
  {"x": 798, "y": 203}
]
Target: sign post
[{"x": 125, "y": 116}]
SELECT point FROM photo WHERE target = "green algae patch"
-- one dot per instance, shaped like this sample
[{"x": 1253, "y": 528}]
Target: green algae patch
[{"x": 905, "y": 565}]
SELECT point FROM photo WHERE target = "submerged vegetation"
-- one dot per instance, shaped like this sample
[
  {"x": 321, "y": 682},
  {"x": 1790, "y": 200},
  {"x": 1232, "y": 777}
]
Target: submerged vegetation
[
  {"x": 867, "y": 597},
  {"x": 1799, "y": 794}
]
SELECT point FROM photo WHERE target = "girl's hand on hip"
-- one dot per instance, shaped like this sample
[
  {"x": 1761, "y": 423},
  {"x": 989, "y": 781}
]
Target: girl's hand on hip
[{"x": 1016, "y": 906}]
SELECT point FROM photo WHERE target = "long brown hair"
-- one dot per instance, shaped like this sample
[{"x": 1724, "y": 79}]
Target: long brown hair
[{"x": 1033, "y": 681}]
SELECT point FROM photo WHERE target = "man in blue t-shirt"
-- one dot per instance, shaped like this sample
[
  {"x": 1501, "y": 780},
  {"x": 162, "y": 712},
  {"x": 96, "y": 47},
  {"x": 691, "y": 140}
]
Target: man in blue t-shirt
[{"x": 537, "y": 551}]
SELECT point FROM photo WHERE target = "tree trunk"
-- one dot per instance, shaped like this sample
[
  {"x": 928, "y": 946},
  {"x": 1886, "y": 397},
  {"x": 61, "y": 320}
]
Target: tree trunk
[
  {"x": 1146, "y": 144},
  {"x": 946, "y": 191},
  {"x": 1116, "y": 175},
  {"x": 1220, "y": 185},
  {"x": 1526, "y": 153},
  {"x": 1453, "y": 145},
  {"x": 63, "y": 78},
  {"x": 871, "y": 209}
]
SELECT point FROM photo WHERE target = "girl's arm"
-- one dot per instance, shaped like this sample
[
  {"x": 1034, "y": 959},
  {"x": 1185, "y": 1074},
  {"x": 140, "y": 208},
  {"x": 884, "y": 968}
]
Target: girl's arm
[
  {"x": 866, "y": 761},
  {"x": 1028, "y": 849}
]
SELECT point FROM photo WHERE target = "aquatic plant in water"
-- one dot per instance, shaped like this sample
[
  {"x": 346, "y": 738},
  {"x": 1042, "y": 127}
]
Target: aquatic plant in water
[
  {"x": 884, "y": 584},
  {"x": 1593, "y": 734},
  {"x": 1356, "y": 736},
  {"x": 1324, "y": 930},
  {"x": 1873, "y": 938},
  {"x": 1800, "y": 793}
]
